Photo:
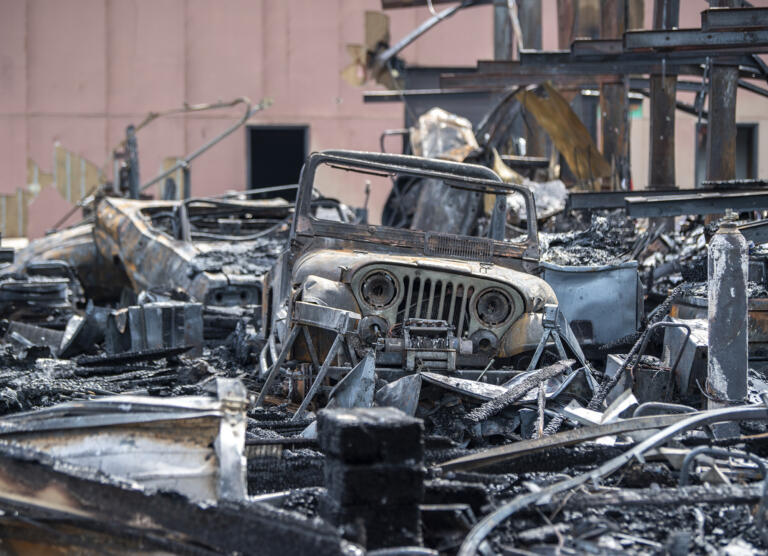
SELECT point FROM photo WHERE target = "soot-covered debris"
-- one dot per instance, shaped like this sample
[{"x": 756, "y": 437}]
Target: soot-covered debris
[
  {"x": 240, "y": 259},
  {"x": 609, "y": 239},
  {"x": 463, "y": 470}
]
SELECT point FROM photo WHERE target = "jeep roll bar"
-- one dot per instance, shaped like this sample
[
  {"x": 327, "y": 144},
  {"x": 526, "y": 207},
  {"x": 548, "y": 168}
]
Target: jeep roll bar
[{"x": 455, "y": 174}]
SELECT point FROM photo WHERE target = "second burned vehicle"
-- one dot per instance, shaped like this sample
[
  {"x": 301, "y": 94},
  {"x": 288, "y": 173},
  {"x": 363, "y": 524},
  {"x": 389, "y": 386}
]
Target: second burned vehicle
[{"x": 423, "y": 299}]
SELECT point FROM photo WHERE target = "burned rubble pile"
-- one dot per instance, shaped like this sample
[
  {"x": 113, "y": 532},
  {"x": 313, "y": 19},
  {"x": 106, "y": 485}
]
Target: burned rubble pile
[
  {"x": 339, "y": 392},
  {"x": 608, "y": 239}
]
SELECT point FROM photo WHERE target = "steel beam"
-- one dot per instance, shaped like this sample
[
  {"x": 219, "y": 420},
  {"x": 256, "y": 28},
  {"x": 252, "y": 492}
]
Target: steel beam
[
  {"x": 559, "y": 76},
  {"x": 529, "y": 14},
  {"x": 626, "y": 62},
  {"x": 563, "y": 69},
  {"x": 397, "y": 96},
  {"x": 393, "y": 4},
  {"x": 750, "y": 41},
  {"x": 618, "y": 199},
  {"x": 721, "y": 125},
  {"x": 695, "y": 203},
  {"x": 636, "y": 84},
  {"x": 671, "y": 58},
  {"x": 756, "y": 232},
  {"x": 740, "y": 18}
]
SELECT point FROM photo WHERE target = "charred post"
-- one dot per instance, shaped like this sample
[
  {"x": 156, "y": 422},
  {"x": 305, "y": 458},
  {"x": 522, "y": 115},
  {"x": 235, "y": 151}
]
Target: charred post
[
  {"x": 721, "y": 126},
  {"x": 614, "y": 101},
  {"x": 373, "y": 475},
  {"x": 661, "y": 159}
]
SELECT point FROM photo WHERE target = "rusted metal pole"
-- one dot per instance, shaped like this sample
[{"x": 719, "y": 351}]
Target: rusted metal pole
[{"x": 728, "y": 340}]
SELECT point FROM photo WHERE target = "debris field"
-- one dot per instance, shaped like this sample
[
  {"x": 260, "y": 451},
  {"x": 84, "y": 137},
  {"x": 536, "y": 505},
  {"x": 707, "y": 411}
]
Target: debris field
[{"x": 513, "y": 358}]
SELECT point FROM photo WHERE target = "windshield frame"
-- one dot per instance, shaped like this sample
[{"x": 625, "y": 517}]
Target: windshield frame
[{"x": 455, "y": 174}]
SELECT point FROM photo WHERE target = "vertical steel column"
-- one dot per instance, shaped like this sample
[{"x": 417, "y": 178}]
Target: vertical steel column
[
  {"x": 566, "y": 19},
  {"x": 727, "y": 313}
]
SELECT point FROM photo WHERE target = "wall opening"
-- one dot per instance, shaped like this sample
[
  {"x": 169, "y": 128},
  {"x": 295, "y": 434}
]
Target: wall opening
[{"x": 275, "y": 157}]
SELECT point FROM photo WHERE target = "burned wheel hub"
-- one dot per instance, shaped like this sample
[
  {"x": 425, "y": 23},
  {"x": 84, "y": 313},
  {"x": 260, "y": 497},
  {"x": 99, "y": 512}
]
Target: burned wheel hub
[
  {"x": 379, "y": 289},
  {"x": 493, "y": 307}
]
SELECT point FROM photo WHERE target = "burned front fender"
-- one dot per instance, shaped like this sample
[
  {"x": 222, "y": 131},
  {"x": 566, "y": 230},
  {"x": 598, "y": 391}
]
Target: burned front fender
[{"x": 524, "y": 335}]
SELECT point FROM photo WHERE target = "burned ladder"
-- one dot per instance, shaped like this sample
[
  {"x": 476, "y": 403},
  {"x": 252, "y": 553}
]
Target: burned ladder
[{"x": 307, "y": 315}]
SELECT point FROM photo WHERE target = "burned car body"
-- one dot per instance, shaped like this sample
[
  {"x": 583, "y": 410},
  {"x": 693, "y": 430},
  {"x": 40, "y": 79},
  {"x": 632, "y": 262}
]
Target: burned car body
[
  {"x": 217, "y": 251},
  {"x": 426, "y": 299}
]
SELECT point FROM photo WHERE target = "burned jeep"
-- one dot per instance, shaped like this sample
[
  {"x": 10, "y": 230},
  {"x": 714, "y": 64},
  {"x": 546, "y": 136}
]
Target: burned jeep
[
  {"x": 424, "y": 300},
  {"x": 216, "y": 250}
]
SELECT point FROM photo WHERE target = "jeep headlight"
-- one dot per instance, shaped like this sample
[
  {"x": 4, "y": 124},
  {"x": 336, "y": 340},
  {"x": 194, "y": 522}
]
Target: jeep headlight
[
  {"x": 379, "y": 289},
  {"x": 493, "y": 307}
]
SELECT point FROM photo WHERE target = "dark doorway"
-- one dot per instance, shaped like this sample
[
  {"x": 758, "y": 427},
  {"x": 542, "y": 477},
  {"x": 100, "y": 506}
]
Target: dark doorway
[{"x": 275, "y": 157}]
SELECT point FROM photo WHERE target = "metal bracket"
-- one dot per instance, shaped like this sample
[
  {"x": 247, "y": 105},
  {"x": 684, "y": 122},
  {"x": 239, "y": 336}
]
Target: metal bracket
[{"x": 307, "y": 315}]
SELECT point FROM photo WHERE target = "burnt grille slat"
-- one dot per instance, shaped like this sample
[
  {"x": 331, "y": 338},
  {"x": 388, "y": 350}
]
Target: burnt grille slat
[
  {"x": 462, "y": 312},
  {"x": 439, "y": 298},
  {"x": 441, "y": 303},
  {"x": 408, "y": 288},
  {"x": 452, "y": 306},
  {"x": 419, "y": 299},
  {"x": 432, "y": 293}
]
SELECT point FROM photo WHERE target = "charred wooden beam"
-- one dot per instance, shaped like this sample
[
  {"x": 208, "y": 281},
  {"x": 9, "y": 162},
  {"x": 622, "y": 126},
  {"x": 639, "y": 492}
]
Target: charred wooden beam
[
  {"x": 40, "y": 490},
  {"x": 614, "y": 101},
  {"x": 661, "y": 159}
]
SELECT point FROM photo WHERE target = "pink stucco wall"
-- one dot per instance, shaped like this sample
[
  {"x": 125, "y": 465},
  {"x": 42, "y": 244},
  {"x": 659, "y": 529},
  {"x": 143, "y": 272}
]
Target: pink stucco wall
[{"x": 78, "y": 71}]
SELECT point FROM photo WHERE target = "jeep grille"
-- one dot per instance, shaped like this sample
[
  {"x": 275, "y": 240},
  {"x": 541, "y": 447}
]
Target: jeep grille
[{"x": 427, "y": 298}]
